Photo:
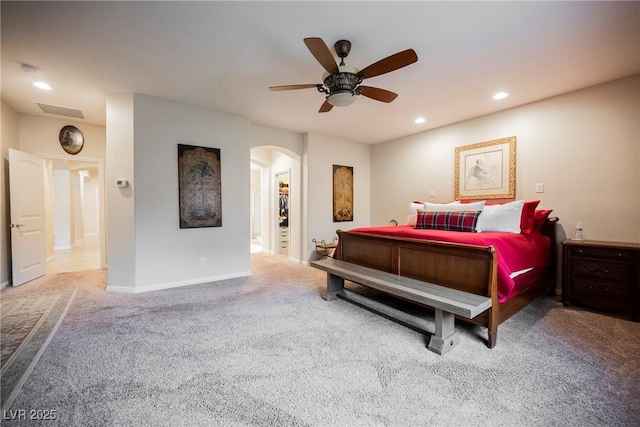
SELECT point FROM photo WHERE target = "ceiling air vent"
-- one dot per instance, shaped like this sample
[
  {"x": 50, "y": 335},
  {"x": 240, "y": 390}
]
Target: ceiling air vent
[{"x": 60, "y": 111}]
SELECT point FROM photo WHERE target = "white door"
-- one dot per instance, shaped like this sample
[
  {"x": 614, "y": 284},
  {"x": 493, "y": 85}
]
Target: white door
[{"x": 26, "y": 178}]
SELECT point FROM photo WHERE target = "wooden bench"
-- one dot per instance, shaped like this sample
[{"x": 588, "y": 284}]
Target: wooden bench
[{"x": 446, "y": 302}]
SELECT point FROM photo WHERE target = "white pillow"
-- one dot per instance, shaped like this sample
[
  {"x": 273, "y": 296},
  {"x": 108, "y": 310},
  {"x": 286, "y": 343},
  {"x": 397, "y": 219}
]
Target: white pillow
[
  {"x": 455, "y": 206},
  {"x": 505, "y": 218},
  {"x": 413, "y": 212}
]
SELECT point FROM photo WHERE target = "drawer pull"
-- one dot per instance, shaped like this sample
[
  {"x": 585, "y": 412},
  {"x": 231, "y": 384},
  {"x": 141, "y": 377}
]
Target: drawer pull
[{"x": 594, "y": 271}]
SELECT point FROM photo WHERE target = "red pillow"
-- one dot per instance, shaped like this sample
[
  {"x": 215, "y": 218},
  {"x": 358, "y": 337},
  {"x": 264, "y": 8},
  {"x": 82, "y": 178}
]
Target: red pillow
[
  {"x": 527, "y": 220},
  {"x": 540, "y": 218}
]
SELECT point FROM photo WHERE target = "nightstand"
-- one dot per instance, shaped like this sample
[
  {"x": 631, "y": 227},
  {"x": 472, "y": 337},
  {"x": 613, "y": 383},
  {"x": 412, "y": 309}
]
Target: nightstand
[{"x": 602, "y": 275}]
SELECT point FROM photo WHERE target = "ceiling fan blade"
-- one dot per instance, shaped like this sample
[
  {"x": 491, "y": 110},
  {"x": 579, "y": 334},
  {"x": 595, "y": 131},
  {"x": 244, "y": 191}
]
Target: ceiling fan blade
[
  {"x": 321, "y": 52},
  {"x": 377, "y": 93},
  {"x": 326, "y": 106},
  {"x": 390, "y": 63},
  {"x": 293, "y": 87}
]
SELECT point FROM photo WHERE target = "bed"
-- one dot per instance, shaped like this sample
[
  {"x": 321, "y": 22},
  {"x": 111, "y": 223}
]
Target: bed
[{"x": 513, "y": 269}]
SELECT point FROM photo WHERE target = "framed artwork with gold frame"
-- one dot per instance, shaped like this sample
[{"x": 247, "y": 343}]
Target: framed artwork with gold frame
[
  {"x": 342, "y": 193},
  {"x": 486, "y": 170}
]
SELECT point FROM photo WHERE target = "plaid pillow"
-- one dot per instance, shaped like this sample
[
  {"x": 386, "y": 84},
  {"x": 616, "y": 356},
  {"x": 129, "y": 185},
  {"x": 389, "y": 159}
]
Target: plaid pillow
[{"x": 448, "y": 220}]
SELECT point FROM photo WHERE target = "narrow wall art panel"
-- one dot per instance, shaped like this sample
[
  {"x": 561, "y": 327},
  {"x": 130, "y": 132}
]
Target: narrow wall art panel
[
  {"x": 200, "y": 186},
  {"x": 342, "y": 193}
]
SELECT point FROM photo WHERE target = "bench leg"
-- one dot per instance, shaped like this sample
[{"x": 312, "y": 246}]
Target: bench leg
[
  {"x": 446, "y": 337},
  {"x": 335, "y": 286}
]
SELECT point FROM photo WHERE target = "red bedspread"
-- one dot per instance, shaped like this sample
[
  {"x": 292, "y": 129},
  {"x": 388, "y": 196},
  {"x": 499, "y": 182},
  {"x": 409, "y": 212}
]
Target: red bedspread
[{"x": 515, "y": 251}]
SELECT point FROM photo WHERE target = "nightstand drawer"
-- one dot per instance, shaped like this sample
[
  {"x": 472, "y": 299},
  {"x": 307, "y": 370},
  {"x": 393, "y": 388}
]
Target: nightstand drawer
[
  {"x": 601, "y": 269},
  {"x": 602, "y": 253},
  {"x": 602, "y": 295},
  {"x": 602, "y": 275}
]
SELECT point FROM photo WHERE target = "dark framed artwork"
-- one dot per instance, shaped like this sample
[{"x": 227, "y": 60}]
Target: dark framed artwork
[
  {"x": 71, "y": 139},
  {"x": 200, "y": 186},
  {"x": 342, "y": 193}
]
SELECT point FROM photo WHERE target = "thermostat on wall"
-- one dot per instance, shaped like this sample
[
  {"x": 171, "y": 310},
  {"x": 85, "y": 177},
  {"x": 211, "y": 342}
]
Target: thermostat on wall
[{"x": 122, "y": 183}]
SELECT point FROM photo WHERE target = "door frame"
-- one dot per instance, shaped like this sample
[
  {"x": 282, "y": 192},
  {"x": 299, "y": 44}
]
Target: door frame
[{"x": 102, "y": 229}]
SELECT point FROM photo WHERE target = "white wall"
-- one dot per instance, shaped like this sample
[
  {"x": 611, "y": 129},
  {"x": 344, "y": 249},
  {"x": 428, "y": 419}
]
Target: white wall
[
  {"x": 584, "y": 146},
  {"x": 9, "y": 139},
  {"x": 321, "y": 153},
  {"x": 90, "y": 204},
  {"x": 121, "y": 250},
  {"x": 262, "y": 135},
  {"x": 62, "y": 209},
  {"x": 48, "y": 208},
  {"x": 165, "y": 255}
]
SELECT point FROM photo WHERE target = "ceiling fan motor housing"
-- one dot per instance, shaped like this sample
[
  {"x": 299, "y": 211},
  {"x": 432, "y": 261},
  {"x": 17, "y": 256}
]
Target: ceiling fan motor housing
[
  {"x": 342, "y": 47},
  {"x": 344, "y": 81}
]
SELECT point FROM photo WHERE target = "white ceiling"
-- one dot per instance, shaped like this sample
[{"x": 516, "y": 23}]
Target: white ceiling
[{"x": 225, "y": 55}]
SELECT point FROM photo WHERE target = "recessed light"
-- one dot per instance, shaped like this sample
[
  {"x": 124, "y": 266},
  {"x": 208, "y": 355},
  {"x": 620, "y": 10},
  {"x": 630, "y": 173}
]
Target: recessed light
[
  {"x": 420, "y": 120},
  {"x": 500, "y": 95},
  {"x": 42, "y": 85}
]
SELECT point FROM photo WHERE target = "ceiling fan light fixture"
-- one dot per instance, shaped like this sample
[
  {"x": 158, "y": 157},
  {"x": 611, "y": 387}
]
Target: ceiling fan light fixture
[{"x": 342, "y": 98}]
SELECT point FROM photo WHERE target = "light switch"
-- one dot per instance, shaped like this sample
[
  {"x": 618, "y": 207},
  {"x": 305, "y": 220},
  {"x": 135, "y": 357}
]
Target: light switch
[{"x": 539, "y": 187}]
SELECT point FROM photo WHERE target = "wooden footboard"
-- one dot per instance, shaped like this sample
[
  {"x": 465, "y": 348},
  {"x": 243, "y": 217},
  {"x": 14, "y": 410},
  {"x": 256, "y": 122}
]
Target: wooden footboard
[{"x": 464, "y": 267}]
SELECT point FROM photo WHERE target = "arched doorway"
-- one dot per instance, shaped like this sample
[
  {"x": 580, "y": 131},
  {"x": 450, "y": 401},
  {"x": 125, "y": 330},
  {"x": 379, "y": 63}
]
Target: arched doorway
[{"x": 271, "y": 167}]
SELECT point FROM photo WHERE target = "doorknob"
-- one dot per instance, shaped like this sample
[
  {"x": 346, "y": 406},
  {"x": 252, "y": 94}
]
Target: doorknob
[{"x": 16, "y": 225}]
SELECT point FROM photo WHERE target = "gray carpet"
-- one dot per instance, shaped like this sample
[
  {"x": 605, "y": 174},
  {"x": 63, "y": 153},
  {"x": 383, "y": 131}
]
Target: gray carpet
[{"x": 268, "y": 350}]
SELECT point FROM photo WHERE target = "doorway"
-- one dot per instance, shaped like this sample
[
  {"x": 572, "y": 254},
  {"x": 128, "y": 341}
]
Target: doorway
[
  {"x": 282, "y": 216},
  {"x": 73, "y": 213},
  {"x": 32, "y": 199},
  {"x": 279, "y": 231}
]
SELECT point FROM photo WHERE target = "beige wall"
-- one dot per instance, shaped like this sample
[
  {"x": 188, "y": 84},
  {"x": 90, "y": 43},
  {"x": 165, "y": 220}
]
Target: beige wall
[
  {"x": 39, "y": 135},
  {"x": 584, "y": 146}
]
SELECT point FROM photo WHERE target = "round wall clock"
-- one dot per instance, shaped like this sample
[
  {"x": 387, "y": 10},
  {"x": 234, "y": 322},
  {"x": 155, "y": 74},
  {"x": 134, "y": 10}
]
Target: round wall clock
[{"x": 71, "y": 139}]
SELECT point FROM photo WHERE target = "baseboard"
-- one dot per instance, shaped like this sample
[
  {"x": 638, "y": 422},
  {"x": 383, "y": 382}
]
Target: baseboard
[
  {"x": 4, "y": 285},
  {"x": 171, "y": 285}
]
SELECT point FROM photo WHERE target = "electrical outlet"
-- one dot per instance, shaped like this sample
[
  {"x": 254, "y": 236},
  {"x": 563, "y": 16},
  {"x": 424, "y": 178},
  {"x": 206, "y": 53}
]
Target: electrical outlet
[
  {"x": 203, "y": 260},
  {"x": 432, "y": 193},
  {"x": 539, "y": 187}
]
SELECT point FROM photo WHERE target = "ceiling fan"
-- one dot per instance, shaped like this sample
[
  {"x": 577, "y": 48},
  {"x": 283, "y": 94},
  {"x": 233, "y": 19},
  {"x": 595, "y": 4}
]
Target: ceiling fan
[{"x": 341, "y": 83}]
